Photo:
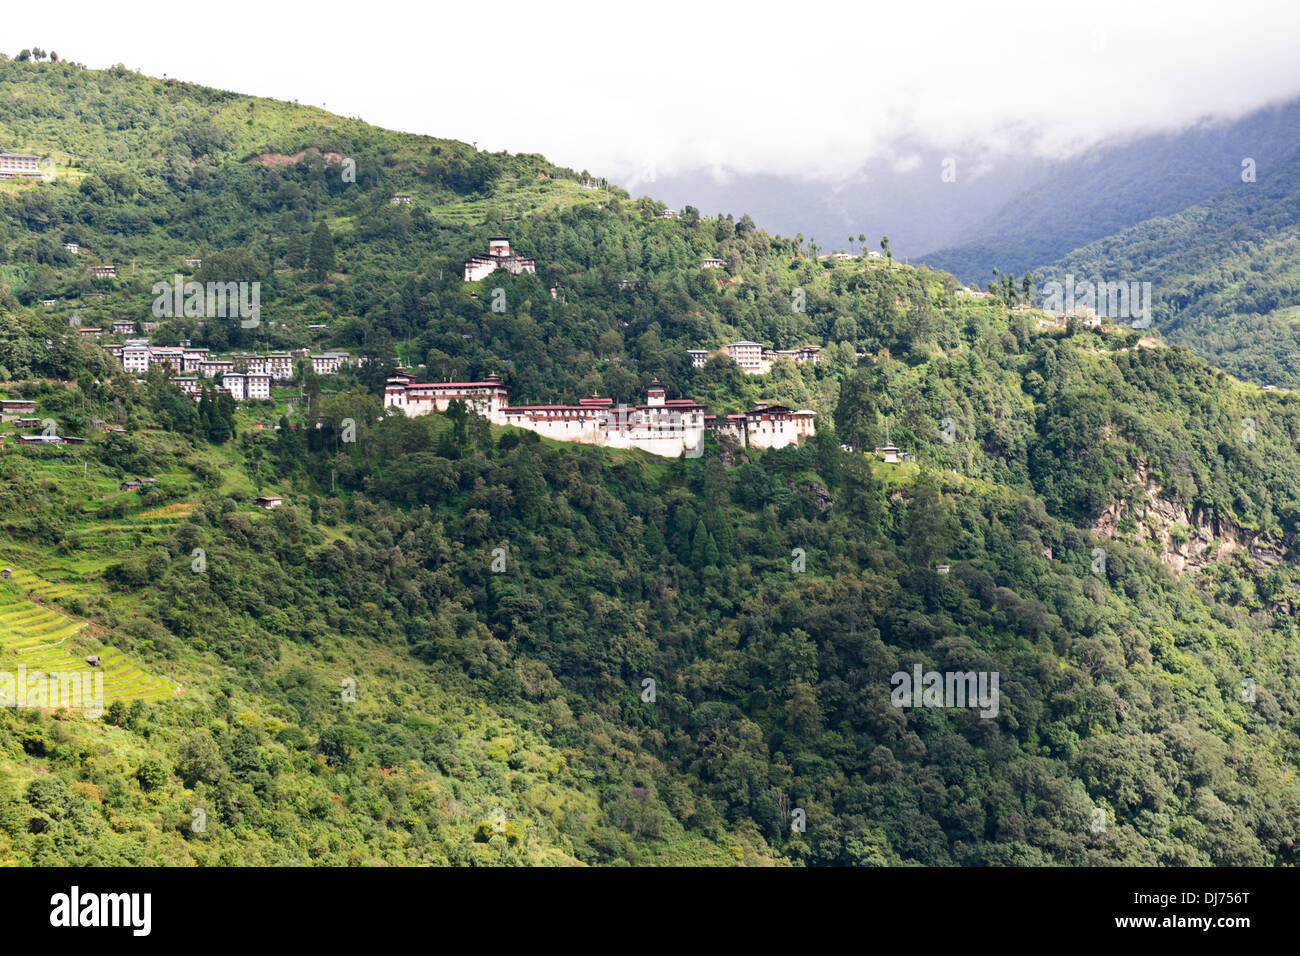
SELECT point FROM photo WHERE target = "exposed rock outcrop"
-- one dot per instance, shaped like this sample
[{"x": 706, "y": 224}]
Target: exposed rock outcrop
[
  {"x": 280, "y": 159},
  {"x": 1184, "y": 539}
]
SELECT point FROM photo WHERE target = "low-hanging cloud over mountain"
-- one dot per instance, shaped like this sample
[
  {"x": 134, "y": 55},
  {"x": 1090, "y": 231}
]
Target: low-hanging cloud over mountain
[{"x": 638, "y": 92}]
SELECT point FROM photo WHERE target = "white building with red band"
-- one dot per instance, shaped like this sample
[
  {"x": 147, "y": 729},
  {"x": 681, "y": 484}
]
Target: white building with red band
[
  {"x": 661, "y": 426},
  {"x": 499, "y": 256}
]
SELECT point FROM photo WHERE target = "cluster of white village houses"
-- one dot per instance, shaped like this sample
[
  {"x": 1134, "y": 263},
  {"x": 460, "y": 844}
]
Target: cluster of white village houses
[
  {"x": 245, "y": 375},
  {"x": 756, "y": 359}
]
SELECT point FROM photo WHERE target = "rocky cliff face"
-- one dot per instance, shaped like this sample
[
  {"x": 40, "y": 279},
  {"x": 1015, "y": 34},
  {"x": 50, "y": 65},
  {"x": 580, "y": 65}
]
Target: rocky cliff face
[
  {"x": 1184, "y": 539},
  {"x": 813, "y": 492}
]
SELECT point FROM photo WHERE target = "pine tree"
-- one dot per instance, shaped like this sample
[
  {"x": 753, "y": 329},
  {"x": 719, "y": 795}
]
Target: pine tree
[
  {"x": 654, "y": 540},
  {"x": 223, "y": 418},
  {"x": 704, "y": 550},
  {"x": 219, "y": 431},
  {"x": 457, "y": 413},
  {"x": 855, "y": 412},
  {"x": 204, "y": 426},
  {"x": 322, "y": 251},
  {"x": 296, "y": 253},
  {"x": 679, "y": 532},
  {"x": 726, "y": 542},
  {"x": 528, "y": 491},
  {"x": 710, "y": 551}
]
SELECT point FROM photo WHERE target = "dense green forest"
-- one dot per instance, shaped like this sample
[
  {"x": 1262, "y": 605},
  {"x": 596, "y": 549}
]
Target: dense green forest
[
  {"x": 1224, "y": 274},
  {"x": 461, "y": 644}
]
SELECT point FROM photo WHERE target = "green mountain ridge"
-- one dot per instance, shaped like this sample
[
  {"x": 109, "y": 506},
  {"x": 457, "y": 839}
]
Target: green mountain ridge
[
  {"x": 1071, "y": 204},
  {"x": 1224, "y": 274}
]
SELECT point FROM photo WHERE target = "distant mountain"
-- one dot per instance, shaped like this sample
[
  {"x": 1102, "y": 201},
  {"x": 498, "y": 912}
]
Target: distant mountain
[
  {"x": 1011, "y": 212},
  {"x": 1110, "y": 188},
  {"x": 1224, "y": 274},
  {"x": 914, "y": 206}
]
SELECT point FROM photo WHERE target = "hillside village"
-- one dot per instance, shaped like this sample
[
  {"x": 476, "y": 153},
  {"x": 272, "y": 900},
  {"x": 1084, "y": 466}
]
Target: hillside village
[
  {"x": 660, "y": 426},
  {"x": 247, "y": 376}
]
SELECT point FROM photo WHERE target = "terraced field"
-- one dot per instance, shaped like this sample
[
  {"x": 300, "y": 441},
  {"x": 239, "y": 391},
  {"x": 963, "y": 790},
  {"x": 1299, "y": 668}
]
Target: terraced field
[
  {"x": 107, "y": 541},
  {"x": 48, "y": 642}
]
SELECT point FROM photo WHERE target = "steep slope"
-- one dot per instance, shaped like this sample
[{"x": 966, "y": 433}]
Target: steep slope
[
  {"x": 1224, "y": 274},
  {"x": 1116, "y": 186}
]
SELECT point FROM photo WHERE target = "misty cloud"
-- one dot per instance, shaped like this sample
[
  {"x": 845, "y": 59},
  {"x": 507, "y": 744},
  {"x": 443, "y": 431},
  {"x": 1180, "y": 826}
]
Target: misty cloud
[{"x": 639, "y": 92}]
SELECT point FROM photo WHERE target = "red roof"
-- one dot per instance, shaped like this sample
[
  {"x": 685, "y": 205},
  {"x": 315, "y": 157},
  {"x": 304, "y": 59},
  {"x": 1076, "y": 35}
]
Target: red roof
[
  {"x": 538, "y": 408},
  {"x": 452, "y": 385}
]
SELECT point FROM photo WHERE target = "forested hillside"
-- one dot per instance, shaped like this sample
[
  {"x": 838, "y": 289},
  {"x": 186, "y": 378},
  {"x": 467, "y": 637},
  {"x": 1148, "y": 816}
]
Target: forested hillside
[
  {"x": 1224, "y": 274},
  {"x": 1115, "y": 186},
  {"x": 462, "y": 644}
]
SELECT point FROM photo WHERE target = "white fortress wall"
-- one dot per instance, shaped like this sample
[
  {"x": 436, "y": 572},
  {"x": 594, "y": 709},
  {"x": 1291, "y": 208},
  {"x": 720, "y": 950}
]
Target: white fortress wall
[{"x": 661, "y": 427}]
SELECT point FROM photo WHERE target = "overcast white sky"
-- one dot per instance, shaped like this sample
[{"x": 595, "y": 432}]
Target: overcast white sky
[{"x": 630, "y": 91}]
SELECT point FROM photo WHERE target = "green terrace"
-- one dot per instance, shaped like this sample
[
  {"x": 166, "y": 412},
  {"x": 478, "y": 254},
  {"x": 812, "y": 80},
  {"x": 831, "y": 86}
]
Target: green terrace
[{"x": 46, "y": 641}]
